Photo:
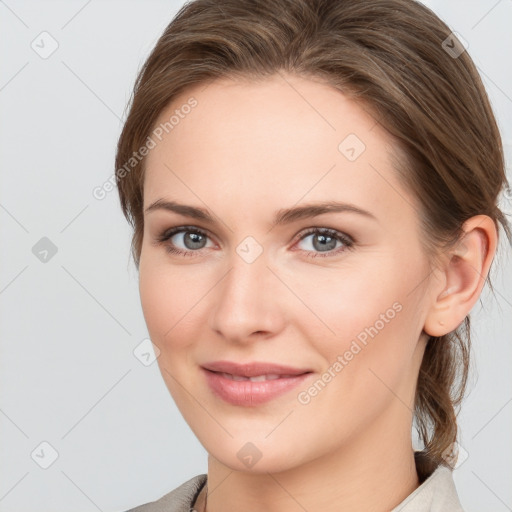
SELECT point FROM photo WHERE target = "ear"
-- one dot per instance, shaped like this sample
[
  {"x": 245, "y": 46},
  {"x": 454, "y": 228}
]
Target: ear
[{"x": 462, "y": 276}]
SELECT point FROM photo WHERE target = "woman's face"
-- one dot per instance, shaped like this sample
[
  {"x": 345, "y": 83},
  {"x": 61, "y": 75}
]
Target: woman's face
[{"x": 348, "y": 305}]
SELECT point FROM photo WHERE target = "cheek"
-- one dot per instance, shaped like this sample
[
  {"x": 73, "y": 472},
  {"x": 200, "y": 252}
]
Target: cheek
[
  {"x": 167, "y": 308},
  {"x": 370, "y": 318},
  {"x": 165, "y": 312},
  {"x": 343, "y": 302},
  {"x": 154, "y": 297},
  {"x": 172, "y": 298},
  {"x": 167, "y": 296}
]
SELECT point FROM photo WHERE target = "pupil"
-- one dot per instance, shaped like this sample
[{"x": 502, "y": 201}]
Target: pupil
[
  {"x": 324, "y": 244},
  {"x": 194, "y": 239}
]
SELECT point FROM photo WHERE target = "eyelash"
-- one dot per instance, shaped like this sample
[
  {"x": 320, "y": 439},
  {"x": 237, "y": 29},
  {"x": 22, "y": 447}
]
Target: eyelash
[{"x": 348, "y": 242}]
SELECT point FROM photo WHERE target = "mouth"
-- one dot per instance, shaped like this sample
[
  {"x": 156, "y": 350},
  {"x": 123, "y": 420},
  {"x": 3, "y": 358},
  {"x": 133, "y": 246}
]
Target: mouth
[
  {"x": 252, "y": 384},
  {"x": 257, "y": 378},
  {"x": 259, "y": 370}
]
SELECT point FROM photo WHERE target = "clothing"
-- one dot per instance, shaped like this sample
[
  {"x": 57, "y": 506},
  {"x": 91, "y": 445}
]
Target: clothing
[{"x": 436, "y": 494}]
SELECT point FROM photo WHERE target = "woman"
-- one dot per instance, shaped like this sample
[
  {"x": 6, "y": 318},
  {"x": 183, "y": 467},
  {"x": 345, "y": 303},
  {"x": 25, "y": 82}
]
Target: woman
[{"x": 313, "y": 189}]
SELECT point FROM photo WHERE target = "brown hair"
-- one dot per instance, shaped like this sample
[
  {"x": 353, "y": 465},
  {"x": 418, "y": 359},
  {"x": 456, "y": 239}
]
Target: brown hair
[{"x": 398, "y": 60}]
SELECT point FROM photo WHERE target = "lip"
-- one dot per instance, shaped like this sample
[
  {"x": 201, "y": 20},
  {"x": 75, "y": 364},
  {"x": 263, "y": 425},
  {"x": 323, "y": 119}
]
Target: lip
[
  {"x": 253, "y": 369},
  {"x": 247, "y": 393}
]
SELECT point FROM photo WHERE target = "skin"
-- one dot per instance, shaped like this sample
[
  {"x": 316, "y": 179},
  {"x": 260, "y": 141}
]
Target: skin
[{"x": 247, "y": 150}]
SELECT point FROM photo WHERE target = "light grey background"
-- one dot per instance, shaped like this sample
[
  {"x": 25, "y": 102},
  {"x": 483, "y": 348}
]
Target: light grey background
[{"x": 68, "y": 374}]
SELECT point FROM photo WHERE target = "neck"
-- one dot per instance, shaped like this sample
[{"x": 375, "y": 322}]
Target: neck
[{"x": 373, "y": 472}]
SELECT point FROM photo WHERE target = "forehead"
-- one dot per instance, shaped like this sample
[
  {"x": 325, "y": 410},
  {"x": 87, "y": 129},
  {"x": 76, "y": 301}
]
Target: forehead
[{"x": 279, "y": 140}]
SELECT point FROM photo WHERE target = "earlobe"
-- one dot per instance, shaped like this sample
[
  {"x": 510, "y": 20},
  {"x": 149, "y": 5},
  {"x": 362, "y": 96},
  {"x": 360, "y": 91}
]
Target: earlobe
[{"x": 464, "y": 274}]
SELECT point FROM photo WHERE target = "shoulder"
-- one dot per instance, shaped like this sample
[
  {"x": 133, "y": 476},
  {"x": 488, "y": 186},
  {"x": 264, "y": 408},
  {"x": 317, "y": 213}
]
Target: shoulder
[
  {"x": 436, "y": 494},
  {"x": 178, "y": 500}
]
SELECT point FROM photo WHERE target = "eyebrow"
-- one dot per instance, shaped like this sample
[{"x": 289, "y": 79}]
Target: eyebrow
[{"x": 283, "y": 216}]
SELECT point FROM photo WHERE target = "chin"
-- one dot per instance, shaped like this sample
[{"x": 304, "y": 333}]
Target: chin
[{"x": 255, "y": 457}]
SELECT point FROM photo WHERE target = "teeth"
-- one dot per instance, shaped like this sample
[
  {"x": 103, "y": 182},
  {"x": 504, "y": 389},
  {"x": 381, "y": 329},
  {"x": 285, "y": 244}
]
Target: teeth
[{"x": 258, "y": 378}]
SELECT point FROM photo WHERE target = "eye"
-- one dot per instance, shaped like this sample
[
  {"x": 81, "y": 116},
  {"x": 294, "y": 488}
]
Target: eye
[
  {"x": 191, "y": 237},
  {"x": 324, "y": 240}
]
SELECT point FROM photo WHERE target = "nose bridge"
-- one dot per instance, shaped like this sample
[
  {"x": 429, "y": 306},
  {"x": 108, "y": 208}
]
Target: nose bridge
[{"x": 246, "y": 299}]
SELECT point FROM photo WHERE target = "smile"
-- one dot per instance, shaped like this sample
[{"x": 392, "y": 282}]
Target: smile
[{"x": 251, "y": 391}]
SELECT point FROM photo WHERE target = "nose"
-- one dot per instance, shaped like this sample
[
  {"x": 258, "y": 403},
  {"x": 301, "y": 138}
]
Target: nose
[{"x": 248, "y": 302}]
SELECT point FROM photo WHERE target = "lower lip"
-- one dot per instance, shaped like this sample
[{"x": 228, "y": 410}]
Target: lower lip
[{"x": 248, "y": 393}]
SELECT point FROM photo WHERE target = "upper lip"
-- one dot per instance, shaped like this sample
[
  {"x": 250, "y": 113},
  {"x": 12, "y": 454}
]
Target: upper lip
[{"x": 253, "y": 369}]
